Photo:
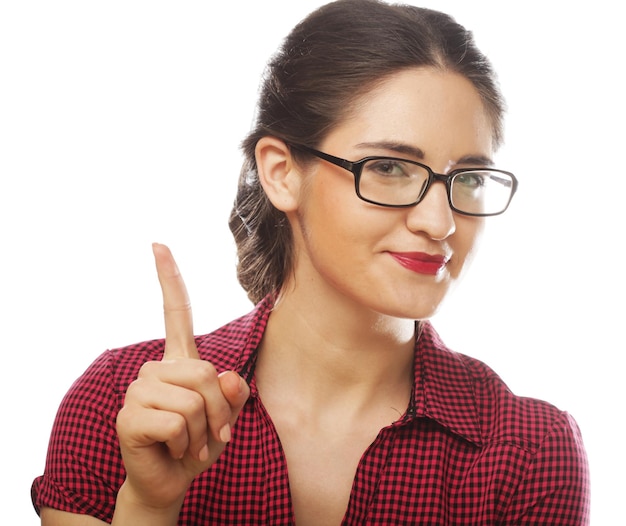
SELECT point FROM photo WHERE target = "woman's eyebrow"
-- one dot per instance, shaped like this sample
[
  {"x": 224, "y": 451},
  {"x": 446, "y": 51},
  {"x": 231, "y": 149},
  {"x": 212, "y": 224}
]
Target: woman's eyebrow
[
  {"x": 417, "y": 153},
  {"x": 398, "y": 147},
  {"x": 476, "y": 160}
]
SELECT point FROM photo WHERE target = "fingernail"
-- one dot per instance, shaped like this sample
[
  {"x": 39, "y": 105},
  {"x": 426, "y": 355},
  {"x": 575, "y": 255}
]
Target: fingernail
[
  {"x": 203, "y": 456},
  {"x": 225, "y": 433}
]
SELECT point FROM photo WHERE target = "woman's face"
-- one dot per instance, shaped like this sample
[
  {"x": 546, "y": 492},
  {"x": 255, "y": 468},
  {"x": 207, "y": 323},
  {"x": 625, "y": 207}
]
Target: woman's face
[{"x": 399, "y": 262}]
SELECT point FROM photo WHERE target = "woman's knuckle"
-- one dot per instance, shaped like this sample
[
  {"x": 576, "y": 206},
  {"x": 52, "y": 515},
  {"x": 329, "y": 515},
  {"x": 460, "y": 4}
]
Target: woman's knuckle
[
  {"x": 205, "y": 373},
  {"x": 194, "y": 402},
  {"x": 147, "y": 369},
  {"x": 176, "y": 426}
]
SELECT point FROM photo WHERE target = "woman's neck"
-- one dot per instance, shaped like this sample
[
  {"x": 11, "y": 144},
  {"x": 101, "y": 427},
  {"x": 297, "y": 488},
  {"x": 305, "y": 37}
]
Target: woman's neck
[{"x": 333, "y": 354}]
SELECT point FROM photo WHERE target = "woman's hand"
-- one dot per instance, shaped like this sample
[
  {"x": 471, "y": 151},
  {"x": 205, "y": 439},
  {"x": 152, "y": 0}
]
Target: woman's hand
[{"x": 178, "y": 414}]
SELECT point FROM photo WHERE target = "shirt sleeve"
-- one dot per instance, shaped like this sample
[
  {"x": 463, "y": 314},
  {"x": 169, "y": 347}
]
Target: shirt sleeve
[
  {"x": 556, "y": 488},
  {"x": 83, "y": 466}
]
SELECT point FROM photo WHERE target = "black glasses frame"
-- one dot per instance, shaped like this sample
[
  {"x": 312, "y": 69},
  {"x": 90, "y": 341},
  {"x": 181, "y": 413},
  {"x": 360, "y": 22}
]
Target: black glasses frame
[{"x": 356, "y": 167}]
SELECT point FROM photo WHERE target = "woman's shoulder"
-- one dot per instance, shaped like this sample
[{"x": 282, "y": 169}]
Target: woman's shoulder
[
  {"x": 226, "y": 348},
  {"x": 527, "y": 443},
  {"x": 502, "y": 416}
]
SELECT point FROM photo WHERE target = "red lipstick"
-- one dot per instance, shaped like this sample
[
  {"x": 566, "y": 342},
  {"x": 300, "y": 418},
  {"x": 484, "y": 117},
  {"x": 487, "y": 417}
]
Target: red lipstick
[{"x": 420, "y": 262}]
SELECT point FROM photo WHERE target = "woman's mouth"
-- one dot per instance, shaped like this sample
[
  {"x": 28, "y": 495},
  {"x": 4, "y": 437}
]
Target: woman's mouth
[{"x": 420, "y": 262}]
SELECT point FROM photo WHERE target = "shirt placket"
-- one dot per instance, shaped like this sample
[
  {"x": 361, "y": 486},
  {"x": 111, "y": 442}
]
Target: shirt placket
[
  {"x": 279, "y": 509},
  {"x": 371, "y": 468}
]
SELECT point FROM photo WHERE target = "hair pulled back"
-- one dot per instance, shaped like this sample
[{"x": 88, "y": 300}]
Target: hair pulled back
[{"x": 330, "y": 59}]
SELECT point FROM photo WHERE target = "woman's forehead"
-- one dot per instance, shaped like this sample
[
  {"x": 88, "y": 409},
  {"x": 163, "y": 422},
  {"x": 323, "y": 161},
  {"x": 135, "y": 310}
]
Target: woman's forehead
[{"x": 423, "y": 109}]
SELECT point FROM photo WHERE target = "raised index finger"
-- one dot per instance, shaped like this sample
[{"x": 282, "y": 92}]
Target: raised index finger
[{"x": 179, "y": 340}]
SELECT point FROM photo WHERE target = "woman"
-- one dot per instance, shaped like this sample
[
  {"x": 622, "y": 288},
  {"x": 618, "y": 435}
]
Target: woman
[{"x": 366, "y": 184}]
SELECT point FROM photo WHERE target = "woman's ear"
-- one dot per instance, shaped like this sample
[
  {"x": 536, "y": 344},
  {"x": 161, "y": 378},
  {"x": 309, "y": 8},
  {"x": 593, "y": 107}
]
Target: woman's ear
[{"x": 278, "y": 175}]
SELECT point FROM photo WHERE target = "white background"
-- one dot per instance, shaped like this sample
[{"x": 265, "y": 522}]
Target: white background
[{"x": 120, "y": 124}]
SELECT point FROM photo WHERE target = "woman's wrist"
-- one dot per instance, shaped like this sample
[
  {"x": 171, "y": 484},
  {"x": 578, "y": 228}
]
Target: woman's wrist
[{"x": 129, "y": 510}]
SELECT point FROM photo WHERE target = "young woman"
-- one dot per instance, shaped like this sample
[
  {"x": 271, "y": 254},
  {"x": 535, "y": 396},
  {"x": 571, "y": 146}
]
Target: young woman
[{"x": 367, "y": 180}]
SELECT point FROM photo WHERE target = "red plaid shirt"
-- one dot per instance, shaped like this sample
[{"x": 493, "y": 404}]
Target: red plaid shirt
[{"x": 467, "y": 451}]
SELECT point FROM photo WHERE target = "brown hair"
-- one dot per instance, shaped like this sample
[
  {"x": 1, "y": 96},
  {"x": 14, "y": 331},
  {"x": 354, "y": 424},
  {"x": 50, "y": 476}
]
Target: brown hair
[{"x": 329, "y": 60}]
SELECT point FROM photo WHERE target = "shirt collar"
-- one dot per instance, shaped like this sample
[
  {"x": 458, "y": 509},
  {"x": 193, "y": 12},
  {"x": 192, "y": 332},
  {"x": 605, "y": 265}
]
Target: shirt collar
[
  {"x": 444, "y": 388},
  {"x": 253, "y": 327}
]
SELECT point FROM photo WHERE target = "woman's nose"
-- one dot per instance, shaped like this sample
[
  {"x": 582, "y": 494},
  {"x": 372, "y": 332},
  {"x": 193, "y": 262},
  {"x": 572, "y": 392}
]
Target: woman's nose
[{"x": 433, "y": 215}]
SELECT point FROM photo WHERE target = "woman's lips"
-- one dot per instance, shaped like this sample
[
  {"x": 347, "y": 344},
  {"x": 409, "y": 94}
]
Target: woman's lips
[{"x": 421, "y": 262}]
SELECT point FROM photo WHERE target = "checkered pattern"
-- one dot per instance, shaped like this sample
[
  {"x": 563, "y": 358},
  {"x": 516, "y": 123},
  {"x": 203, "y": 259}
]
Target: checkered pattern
[{"x": 467, "y": 451}]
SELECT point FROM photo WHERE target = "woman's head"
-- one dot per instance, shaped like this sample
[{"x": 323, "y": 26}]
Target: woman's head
[{"x": 324, "y": 67}]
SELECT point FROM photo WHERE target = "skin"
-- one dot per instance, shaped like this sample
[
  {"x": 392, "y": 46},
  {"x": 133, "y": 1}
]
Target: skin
[
  {"x": 439, "y": 114},
  {"x": 335, "y": 363}
]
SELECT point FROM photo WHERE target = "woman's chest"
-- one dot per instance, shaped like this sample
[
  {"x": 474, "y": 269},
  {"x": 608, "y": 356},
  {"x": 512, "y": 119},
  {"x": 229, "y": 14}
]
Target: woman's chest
[{"x": 321, "y": 470}]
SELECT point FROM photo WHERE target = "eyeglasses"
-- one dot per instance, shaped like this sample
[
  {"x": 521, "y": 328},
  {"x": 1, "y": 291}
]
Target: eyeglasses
[{"x": 400, "y": 183}]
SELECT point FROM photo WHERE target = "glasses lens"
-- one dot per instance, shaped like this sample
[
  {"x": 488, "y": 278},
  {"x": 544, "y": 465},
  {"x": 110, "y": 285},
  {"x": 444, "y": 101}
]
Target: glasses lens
[
  {"x": 481, "y": 192},
  {"x": 392, "y": 181}
]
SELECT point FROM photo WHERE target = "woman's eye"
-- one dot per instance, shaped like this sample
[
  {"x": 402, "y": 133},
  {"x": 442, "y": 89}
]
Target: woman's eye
[
  {"x": 388, "y": 168},
  {"x": 470, "y": 180}
]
